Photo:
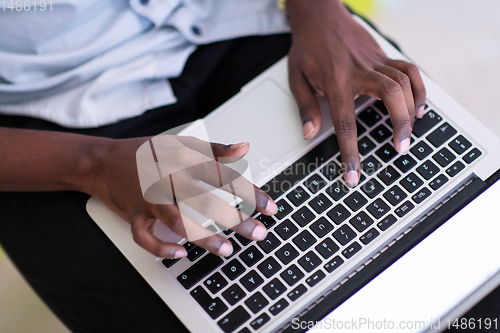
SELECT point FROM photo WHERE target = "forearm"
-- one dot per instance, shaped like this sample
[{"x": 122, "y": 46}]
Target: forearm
[{"x": 46, "y": 161}]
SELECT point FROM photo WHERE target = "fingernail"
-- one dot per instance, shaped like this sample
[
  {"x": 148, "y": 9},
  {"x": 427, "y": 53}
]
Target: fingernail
[
  {"x": 225, "y": 250},
  {"x": 180, "y": 253},
  {"x": 420, "y": 112},
  {"x": 404, "y": 146},
  {"x": 351, "y": 178},
  {"x": 259, "y": 232},
  {"x": 307, "y": 129},
  {"x": 271, "y": 207},
  {"x": 243, "y": 145}
]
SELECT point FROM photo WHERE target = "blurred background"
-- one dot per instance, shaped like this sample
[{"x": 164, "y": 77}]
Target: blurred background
[{"x": 456, "y": 42}]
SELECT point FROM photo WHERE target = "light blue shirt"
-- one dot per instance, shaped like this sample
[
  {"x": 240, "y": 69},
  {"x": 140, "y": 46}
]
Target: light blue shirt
[{"x": 95, "y": 62}]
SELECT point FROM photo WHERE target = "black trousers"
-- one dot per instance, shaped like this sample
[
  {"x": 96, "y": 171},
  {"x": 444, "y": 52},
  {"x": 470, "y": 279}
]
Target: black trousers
[{"x": 64, "y": 255}]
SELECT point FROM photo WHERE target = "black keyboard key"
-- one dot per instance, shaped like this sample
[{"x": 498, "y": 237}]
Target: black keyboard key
[
  {"x": 365, "y": 145},
  {"x": 428, "y": 170},
  {"x": 303, "y": 216},
  {"x": 233, "y": 320},
  {"x": 355, "y": 201},
  {"x": 472, "y": 155},
  {"x": 256, "y": 302},
  {"x": 386, "y": 152},
  {"x": 269, "y": 243},
  {"x": 395, "y": 195},
  {"x": 320, "y": 203},
  {"x": 437, "y": 182},
  {"x": 381, "y": 133},
  {"x": 315, "y": 278},
  {"x": 441, "y": 134},
  {"x": 315, "y": 183},
  {"x": 460, "y": 144},
  {"x": 351, "y": 250},
  {"x": 428, "y": 121},
  {"x": 213, "y": 307},
  {"x": 331, "y": 171},
  {"x": 405, "y": 163},
  {"x": 297, "y": 292},
  {"x": 337, "y": 190},
  {"x": 251, "y": 255},
  {"x": 344, "y": 234},
  {"x": 361, "y": 221},
  {"x": 455, "y": 169},
  {"x": 199, "y": 270},
  {"x": 304, "y": 240},
  {"x": 404, "y": 209},
  {"x": 411, "y": 182},
  {"x": 269, "y": 267},
  {"x": 378, "y": 208},
  {"x": 244, "y": 241},
  {"x": 444, "y": 157},
  {"x": 189, "y": 246},
  {"x": 421, "y": 195},
  {"x": 370, "y": 117},
  {"x": 169, "y": 262},
  {"x": 360, "y": 128},
  {"x": 195, "y": 253},
  {"x": 370, "y": 165},
  {"x": 236, "y": 247},
  {"x": 309, "y": 261},
  {"x": 215, "y": 283},
  {"x": 338, "y": 214},
  {"x": 421, "y": 150},
  {"x": 388, "y": 175},
  {"x": 286, "y": 253},
  {"x": 381, "y": 107},
  {"x": 260, "y": 321},
  {"x": 298, "y": 196},
  {"x": 386, "y": 222},
  {"x": 296, "y": 172},
  {"x": 283, "y": 209},
  {"x": 233, "y": 294},
  {"x": 278, "y": 306},
  {"x": 321, "y": 227},
  {"x": 333, "y": 264},
  {"x": 286, "y": 229},
  {"x": 292, "y": 275},
  {"x": 369, "y": 236},
  {"x": 371, "y": 188},
  {"x": 274, "y": 288},
  {"x": 244, "y": 330},
  {"x": 327, "y": 248},
  {"x": 251, "y": 281},
  {"x": 225, "y": 230},
  {"x": 268, "y": 221},
  {"x": 233, "y": 269}
]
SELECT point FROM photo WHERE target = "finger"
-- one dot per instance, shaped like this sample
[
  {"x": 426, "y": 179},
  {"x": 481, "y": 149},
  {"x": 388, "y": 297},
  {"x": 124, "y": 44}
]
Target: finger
[
  {"x": 142, "y": 232},
  {"x": 229, "y": 153},
  {"x": 404, "y": 81},
  {"x": 310, "y": 112},
  {"x": 251, "y": 229},
  {"x": 380, "y": 86},
  {"x": 178, "y": 223},
  {"x": 344, "y": 121},
  {"x": 231, "y": 181},
  {"x": 417, "y": 84}
]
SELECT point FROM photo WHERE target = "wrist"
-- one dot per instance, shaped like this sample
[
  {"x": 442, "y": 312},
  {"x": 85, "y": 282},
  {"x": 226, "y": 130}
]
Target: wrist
[{"x": 91, "y": 164}]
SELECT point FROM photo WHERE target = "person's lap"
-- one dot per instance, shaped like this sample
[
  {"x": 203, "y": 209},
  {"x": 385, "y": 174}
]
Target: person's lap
[{"x": 64, "y": 255}]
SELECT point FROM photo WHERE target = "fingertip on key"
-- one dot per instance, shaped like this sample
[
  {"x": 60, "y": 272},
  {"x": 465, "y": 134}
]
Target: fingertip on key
[
  {"x": 259, "y": 232},
  {"x": 352, "y": 178},
  {"x": 404, "y": 146},
  {"x": 225, "y": 250},
  {"x": 271, "y": 207}
]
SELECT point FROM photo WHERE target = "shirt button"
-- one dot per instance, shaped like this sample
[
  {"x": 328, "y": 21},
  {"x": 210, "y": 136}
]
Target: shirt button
[
  {"x": 196, "y": 30},
  {"x": 144, "y": 2}
]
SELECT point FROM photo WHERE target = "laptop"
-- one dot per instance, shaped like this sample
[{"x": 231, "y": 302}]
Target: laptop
[{"x": 391, "y": 250}]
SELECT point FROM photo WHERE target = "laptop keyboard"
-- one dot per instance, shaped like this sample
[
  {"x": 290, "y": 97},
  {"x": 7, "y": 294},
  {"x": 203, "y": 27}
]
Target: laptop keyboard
[{"x": 321, "y": 223}]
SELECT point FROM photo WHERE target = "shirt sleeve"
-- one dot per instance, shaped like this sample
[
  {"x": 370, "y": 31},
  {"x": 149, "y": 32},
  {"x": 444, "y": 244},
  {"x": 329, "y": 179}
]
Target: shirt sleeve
[{"x": 207, "y": 21}]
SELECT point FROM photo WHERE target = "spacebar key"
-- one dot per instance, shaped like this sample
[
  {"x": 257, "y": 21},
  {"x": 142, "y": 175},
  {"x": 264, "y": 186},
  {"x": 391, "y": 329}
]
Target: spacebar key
[{"x": 199, "y": 270}]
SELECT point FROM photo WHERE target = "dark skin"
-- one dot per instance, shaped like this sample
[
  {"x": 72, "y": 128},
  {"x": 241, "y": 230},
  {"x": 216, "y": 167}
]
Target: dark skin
[{"x": 331, "y": 55}]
